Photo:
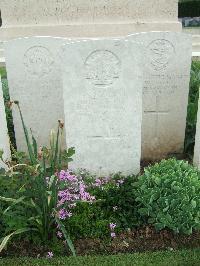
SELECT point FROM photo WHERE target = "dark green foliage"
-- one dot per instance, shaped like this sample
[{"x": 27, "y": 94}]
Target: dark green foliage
[
  {"x": 3, "y": 72},
  {"x": 189, "y": 8},
  {"x": 32, "y": 207},
  {"x": 192, "y": 108},
  {"x": 114, "y": 203},
  {"x": 168, "y": 195},
  {"x": 123, "y": 199},
  {"x": 88, "y": 221},
  {"x": 8, "y": 112}
]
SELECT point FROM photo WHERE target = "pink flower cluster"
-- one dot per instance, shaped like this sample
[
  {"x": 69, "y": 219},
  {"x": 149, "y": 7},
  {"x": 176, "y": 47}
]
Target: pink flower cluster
[
  {"x": 72, "y": 190},
  {"x": 50, "y": 255},
  {"x": 63, "y": 214},
  {"x": 101, "y": 182}
]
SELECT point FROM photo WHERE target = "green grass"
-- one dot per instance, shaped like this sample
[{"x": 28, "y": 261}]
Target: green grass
[
  {"x": 174, "y": 258},
  {"x": 3, "y": 72}
]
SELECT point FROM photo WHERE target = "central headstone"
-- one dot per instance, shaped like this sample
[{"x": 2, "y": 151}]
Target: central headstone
[{"x": 102, "y": 91}]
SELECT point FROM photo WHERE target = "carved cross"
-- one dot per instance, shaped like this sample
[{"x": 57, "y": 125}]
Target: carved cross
[{"x": 157, "y": 113}]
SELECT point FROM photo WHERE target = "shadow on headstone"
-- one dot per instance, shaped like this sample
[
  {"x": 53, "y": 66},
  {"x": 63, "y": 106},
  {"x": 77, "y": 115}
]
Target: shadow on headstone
[{"x": 0, "y": 19}]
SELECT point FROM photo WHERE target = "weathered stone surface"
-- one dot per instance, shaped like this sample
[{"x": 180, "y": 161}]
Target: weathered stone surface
[
  {"x": 34, "y": 80},
  {"x": 30, "y": 12},
  {"x": 196, "y": 159},
  {"x": 4, "y": 139},
  {"x": 86, "y": 18},
  {"x": 165, "y": 92},
  {"x": 102, "y": 92}
]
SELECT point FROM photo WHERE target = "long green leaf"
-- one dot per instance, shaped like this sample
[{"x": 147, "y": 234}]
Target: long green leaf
[
  {"x": 35, "y": 147},
  {"x": 9, "y": 199},
  {"x": 37, "y": 208},
  {"x": 7, "y": 238},
  {"x": 56, "y": 148},
  {"x": 67, "y": 238},
  {"x": 28, "y": 143},
  {"x": 14, "y": 203}
]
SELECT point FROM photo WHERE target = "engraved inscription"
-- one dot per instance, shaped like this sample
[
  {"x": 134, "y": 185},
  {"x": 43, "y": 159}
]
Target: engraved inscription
[
  {"x": 65, "y": 11},
  {"x": 38, "y": 61},
  {"x": 160, "y": 52},
  {"x": 102, "y": 68}
]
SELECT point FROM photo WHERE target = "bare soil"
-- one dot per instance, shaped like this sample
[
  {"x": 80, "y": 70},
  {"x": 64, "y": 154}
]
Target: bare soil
[{"x": 140, "y": 240}]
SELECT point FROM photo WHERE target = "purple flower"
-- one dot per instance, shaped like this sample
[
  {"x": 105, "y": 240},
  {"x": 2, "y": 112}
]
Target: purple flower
[
  {"x": 98, "y": 182},
  {"x": 58, "y": 226},
  {"x": 113, "y": 235},
  {"x": 92, "y": 198},
  {"x": 73, "y": 205},
  {"x": 50, "y": 255},
  {"x": 72, "y": 190},
  {"x": 106, "y": 179},
  {"x": 69, "y": 214},
  {"x": 112, "y": 226},
  {"x": 67, "y": 176},
  {"x": 59, "y": 234},
  {"x": 85, "y": 196},
  {"x": 63, "y": 214},
  {"x": 65, "y": 195},
  {"x": 62, "y": 175},
  {"x": 82, "y": 188}
]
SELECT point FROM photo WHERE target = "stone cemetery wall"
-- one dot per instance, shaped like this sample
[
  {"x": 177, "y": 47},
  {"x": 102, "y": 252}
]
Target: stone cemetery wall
[
  {"x": 102, "y": 91},
  {"x": 34, "y": 79},
  {"x": 165, "y": 91},
  {"x": 86, "y": 18},
  {"x": 4, "y": 140}
]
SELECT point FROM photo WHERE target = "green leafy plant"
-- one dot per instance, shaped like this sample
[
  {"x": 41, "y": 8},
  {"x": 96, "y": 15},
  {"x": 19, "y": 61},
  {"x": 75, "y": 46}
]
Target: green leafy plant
[
  {"x": 33, "y": 208},
  {"x": 88, "y": 221},
  {"x": 118, "y": 201},
  {"x": 115, "y": 202},
  {"x": 3, "y": 72},
  {"x": 168, "y": 196}
]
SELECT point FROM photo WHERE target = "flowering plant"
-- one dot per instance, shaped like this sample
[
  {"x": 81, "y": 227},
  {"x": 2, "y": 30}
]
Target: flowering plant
[{"x": 46, "y": 195}]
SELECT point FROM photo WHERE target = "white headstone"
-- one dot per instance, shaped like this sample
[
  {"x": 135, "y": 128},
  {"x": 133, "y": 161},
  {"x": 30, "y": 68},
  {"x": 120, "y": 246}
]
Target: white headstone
[
  {"x": 34, "y": 79},
  {"x": 102, "y": 90},
  {"x": 196, "y": 159},
  {"x": 4, "y": 139},
  {"x": 165, "y": 92}
]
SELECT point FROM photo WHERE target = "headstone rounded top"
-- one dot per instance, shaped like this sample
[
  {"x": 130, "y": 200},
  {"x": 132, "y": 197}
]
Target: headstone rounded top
[
  {"x": 102, "y": 68},
  {"x": 38, "y": 60},
  {"x": 160, "y": 51}
]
